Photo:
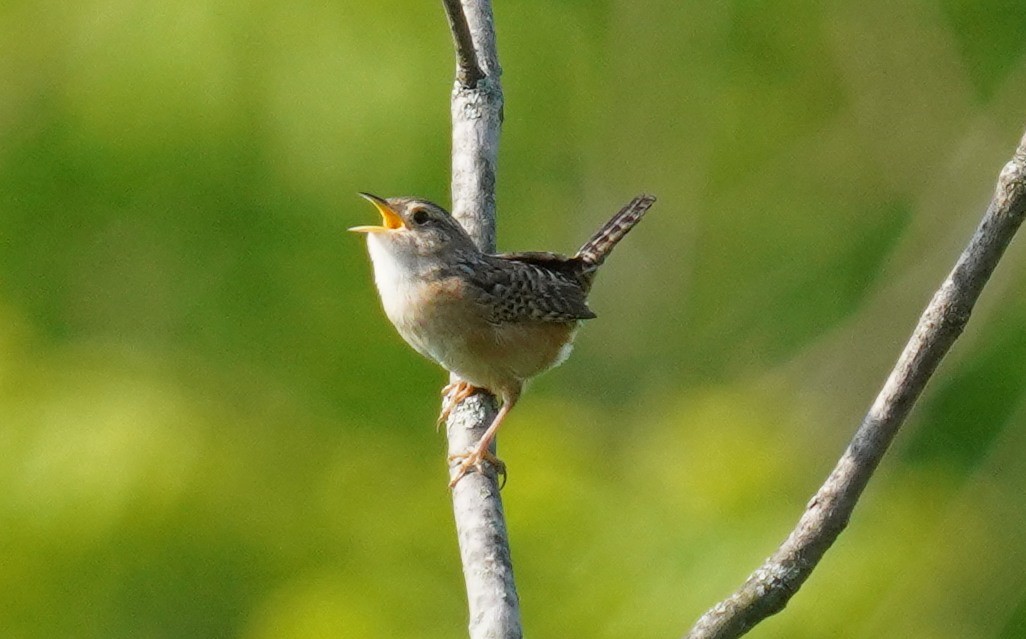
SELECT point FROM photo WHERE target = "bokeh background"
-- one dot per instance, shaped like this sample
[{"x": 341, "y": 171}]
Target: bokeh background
[{"x": 208, "y": 428}]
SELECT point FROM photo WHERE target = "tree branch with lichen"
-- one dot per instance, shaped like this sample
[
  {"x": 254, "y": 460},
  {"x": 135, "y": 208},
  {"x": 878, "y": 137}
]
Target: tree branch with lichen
[{"x": 494, "y": 606}]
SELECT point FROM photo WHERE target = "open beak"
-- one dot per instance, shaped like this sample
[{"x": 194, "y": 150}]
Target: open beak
[{"x": 390, "y": 220}]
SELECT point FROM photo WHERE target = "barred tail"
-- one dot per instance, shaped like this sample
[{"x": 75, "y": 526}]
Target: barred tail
[{"x": 595, "y": 250}]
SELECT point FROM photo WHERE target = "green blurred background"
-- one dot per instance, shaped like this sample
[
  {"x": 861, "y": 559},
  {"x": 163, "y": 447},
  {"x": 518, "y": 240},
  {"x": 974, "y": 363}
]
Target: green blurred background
[{"x": 208, "y": 428}]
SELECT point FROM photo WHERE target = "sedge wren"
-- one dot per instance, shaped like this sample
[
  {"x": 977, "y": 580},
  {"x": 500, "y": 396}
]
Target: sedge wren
[{"x": 494, "y": 321}]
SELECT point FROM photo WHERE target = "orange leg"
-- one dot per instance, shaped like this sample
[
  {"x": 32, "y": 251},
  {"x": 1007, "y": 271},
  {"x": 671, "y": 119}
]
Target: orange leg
[
  {"x": 480, "y": 453},
  {"x": 452, "y": 395}
]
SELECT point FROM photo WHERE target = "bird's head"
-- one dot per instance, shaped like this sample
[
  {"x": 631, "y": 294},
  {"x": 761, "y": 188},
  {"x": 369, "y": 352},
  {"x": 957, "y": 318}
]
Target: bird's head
[{"x": 412, "y": 228}]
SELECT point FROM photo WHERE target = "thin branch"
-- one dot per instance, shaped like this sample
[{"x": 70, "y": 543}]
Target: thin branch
[
  {"x": 769, "y": 588},
  {"x": 476, "y": 123},
  {"x": 477, "y": 506},
  {"x": 468, "y": 71}
]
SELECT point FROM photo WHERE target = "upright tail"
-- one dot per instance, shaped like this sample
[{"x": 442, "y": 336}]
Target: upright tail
[{"x": 595, "y": 250}]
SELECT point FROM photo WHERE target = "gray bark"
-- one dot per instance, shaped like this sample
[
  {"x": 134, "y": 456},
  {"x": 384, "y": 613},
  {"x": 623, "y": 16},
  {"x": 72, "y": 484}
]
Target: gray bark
[{"x": 476, "y": 123}]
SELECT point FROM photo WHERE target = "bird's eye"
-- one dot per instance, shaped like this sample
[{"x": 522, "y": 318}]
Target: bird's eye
[{"x": 420, "y": 216}]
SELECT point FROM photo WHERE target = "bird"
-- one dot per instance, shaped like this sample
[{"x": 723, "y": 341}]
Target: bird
[{"x": 492, "y": 320}]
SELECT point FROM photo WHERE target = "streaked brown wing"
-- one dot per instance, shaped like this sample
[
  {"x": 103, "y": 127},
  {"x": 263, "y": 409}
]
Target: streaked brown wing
[{"x": 518, "y": 287}]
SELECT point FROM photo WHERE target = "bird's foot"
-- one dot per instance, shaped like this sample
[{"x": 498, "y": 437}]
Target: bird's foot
[
  {"x": 474, "y": 459},
  {"x": 452, "y": 395}
]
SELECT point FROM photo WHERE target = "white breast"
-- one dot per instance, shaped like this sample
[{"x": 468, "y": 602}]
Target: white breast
[
  {"x": 401, "y": 287},
  {"x": 394, "y": 284}
]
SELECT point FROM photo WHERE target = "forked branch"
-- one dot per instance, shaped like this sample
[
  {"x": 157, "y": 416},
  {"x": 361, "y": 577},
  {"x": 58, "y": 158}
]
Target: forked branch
[
  {"x": 476, "y": 122},
  {"x": 468, "y": 71},
  {"x": 769, "y": 588}
]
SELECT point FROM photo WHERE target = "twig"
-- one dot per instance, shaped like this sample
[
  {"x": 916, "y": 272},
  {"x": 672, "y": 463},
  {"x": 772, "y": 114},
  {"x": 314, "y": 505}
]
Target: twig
[
  {"x": 468, "y": 71},
  {"x": 476, "y": 122},
  {"x": 769, "y": 588}
]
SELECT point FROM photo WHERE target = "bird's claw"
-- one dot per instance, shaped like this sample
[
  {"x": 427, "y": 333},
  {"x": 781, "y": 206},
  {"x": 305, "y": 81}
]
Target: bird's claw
[{"x": 475, "y": 459}]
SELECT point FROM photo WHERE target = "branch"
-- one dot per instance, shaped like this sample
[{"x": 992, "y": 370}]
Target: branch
[
  {"x": 468, "y": 71},
  {"x": 476, "y": 121},
  {"x": 769, "y": 588}
]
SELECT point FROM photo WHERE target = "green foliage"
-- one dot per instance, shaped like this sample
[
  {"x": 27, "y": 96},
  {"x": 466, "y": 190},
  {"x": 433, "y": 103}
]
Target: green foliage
[{"x": 209, "y": 429}]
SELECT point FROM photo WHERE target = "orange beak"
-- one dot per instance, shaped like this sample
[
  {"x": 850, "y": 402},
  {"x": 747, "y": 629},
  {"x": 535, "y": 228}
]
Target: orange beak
[{"x": 390, "y": 220}]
